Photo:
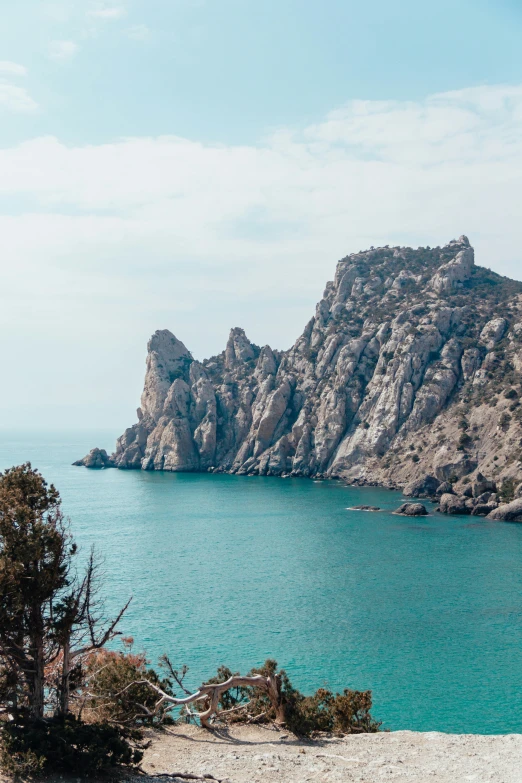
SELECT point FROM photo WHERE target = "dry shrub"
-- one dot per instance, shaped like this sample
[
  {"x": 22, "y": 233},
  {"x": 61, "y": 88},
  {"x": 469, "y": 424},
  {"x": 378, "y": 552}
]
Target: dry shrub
[{"x": 109, "y": 694}]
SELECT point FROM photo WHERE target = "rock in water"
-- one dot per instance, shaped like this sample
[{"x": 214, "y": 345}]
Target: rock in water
[
  {"x": 509, "y": 512},
  {"x": 96, "y": 458},
  {"x": 390, "y": 383},
  {"x": 412, "y": 510},
  {"x": 483, "y": 509},
  {"x": 452, "y": 504}
]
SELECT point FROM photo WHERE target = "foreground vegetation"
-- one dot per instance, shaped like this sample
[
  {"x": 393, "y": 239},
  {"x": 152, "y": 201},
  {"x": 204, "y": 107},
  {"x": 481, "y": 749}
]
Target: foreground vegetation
[{"x": 69, "y": 704}]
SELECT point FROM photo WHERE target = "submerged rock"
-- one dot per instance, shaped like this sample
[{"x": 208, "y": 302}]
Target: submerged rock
[
  {"x": 412, "y": 510},
  {"x": 365, "y": 508}
]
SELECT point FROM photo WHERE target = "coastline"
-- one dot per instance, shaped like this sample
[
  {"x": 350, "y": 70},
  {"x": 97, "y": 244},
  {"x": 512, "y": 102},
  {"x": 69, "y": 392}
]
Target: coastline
[
  {"x": 360, "y": 482},
  {"x": 481, "y": 497}
]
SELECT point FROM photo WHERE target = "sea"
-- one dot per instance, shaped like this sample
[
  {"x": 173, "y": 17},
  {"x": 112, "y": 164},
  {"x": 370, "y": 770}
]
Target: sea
[{"x": 232, "y": 570}]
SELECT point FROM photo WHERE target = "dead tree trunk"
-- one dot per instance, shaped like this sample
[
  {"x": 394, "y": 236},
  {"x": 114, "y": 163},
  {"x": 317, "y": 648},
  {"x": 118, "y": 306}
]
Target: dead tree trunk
[
  {"x": 65, "y": 684},
  {"x": 37, "y": 674},
  {"x": 212, "y": 692},
  {"x": 268, "y": 684}
]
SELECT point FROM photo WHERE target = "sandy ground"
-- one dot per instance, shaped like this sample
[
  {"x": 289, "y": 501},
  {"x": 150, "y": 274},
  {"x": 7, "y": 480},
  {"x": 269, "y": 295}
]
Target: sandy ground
[{"x": 264, "y": 755}]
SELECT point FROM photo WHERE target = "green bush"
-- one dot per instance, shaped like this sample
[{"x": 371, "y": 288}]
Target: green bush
[
  {"x": 347, "y": 712},
  {"x": 65, "y": 745},
  {"x": 507, "y": 490},
  {"x": 504, "y": 421},
  {"x": 464, "y": 442}
]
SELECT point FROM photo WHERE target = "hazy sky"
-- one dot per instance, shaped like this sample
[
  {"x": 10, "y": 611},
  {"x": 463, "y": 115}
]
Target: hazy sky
[{"x": 202, "y": 164}]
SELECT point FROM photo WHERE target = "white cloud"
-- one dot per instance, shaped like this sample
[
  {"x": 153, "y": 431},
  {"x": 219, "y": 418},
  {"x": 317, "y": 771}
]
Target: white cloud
[
  {"x": 11, "y": 69},
  {"x": 14, "y": 98},
  {"x": 115, "y": 12},
  {"x": 147, "y": 233},
  {"x": 139, "y": 32},
  {"x": 62, "y": 50}
]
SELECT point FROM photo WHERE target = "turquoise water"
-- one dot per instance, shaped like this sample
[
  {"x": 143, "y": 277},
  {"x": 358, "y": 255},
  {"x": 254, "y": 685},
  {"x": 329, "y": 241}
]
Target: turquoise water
[{"x": 231, "y": 570}]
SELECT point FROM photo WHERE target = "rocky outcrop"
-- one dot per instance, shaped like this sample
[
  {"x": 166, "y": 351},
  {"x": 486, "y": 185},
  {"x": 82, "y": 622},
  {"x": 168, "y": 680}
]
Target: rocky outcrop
[
  {"x": 509, "y": 512},
  {"x": 444, "y": 489},
  {"x": 454, "y": 273},
  {"x": 408, "y": 375},
  {"x": 412, "y": 510},
  {"x": 453, "y": 504},
  {"x": 482, "y": 486},
  {"x": 424, "y": 487},
  {"x": 483, "y": 509},
  {"x": 97, "y": 459},
  {"x": 480, "y": 506}
]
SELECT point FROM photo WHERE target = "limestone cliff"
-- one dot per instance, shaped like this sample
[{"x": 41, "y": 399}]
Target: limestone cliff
[{"x": 411, "y": 366}]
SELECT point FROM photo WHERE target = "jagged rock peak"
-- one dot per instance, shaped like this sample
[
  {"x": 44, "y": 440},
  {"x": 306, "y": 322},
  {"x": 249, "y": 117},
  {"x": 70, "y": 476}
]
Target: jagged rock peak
[
  {"x": 167, "y": 359},
  {"x": 462, "y": 240},
  {"x": 410, "y": 368},
  {"x": 239, "y": 348}
]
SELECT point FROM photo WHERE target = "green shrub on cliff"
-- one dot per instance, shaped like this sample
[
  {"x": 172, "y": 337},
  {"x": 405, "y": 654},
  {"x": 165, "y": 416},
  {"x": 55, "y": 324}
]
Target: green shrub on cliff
[{"x": 347, "y": 712}]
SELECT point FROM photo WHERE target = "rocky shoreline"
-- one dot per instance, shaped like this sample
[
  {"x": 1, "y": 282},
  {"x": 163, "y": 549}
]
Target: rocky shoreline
[{"x": 479, "y": 497}]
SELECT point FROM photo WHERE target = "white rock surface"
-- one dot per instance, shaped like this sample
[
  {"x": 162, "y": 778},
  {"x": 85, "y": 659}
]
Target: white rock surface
[{"x": 261, "y": 755}]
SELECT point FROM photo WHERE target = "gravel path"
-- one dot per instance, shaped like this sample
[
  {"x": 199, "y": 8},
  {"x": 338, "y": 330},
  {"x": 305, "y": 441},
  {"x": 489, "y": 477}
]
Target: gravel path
[{"x": 264, "y": 755}]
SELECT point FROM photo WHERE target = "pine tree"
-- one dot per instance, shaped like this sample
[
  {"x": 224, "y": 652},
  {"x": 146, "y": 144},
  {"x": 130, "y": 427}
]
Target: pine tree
[
  {"x": 35, "y": 555},
  {"x": 49, "y": 619}
]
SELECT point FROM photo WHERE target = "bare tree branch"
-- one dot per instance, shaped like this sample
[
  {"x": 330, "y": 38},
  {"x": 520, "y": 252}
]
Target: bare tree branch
[
  {"x": 212, "y": 692},
  {"x": 185, "y": 776}
]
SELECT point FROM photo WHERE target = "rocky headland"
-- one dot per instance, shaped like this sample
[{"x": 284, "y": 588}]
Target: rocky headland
[{"x": 408, "y": 376}]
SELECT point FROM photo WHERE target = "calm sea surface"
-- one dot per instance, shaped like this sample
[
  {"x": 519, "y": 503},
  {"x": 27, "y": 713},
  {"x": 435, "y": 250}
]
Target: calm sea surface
[{"x": 231, "y": 570}]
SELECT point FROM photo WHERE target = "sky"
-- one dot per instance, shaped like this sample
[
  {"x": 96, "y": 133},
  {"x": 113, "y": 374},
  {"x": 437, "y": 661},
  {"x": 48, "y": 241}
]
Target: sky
[{"x": 202, "y": 164}]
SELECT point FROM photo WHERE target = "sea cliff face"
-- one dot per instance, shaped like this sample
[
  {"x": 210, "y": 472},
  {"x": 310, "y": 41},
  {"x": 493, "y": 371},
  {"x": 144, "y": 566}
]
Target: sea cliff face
[{"x": 410, "y": 366}]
